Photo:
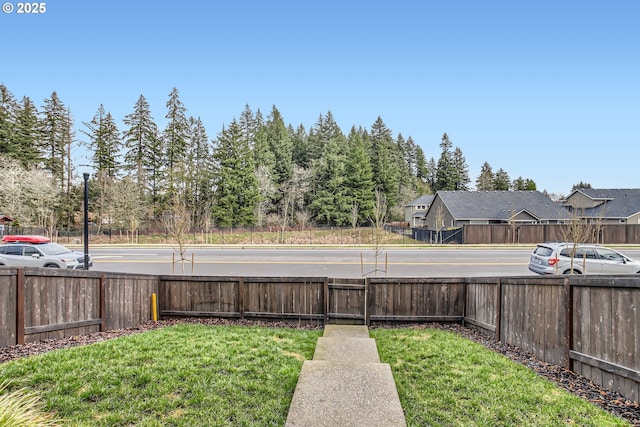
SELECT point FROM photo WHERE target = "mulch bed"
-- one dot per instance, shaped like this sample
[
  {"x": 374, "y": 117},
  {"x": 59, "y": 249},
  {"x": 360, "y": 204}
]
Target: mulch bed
[{"x": 581, "y": 386}]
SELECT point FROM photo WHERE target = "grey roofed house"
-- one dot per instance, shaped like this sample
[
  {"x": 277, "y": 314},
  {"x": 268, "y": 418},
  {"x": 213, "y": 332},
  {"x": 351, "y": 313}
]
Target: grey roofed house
[
  {"x": 457, "y": 208},
  {"x": 607, "y": 205},
  {"x": 415, "y": 210}
]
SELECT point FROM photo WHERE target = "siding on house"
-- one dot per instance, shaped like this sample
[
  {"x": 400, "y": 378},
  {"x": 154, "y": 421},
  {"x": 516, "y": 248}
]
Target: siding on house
[
  {"x": 415, "y": 211},
  {"x": 608, "y": 205}
]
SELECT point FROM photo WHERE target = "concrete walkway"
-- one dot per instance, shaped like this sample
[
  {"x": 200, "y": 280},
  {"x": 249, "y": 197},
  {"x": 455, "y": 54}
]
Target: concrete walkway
[{"x": 345, "y": 385}]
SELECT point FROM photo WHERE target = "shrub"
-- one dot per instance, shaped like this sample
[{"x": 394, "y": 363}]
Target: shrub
[{"x": 23, "y": 408}]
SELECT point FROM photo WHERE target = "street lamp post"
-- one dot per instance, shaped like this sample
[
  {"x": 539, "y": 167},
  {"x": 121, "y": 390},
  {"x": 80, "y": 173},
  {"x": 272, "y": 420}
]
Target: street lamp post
[{"x": 86, "y": 221}]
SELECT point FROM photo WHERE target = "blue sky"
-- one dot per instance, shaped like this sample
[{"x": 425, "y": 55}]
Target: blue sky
[{"x": 547, "y": 90}]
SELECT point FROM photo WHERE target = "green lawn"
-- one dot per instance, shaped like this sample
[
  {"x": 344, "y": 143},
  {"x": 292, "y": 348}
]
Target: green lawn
[
  {"x": 186, "y": 375},
  {"x": 199, "y": 375},
  {"x": 445, "y": 380}
]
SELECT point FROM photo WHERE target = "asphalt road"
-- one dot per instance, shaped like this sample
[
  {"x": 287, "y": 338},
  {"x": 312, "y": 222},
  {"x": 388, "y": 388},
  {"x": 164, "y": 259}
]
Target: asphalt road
[
  {"x": 318, "y": 262},
  {"x": 321, "y": 262}
]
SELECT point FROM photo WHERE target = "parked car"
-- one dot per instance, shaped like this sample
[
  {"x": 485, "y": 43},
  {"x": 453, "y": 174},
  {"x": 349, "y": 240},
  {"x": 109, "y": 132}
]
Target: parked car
[
  {"x": 39, "y": 251},
  {"x": 555, "y": 258}
]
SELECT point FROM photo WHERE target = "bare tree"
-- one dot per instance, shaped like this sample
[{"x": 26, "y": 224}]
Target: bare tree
[
  {"x": 579, "y": 230},
  {"x": 12, "y": 190},
  {"x": 302, "y": 218},
  {"x": 354, "y": 215},
  {"x": 128, "y": 205},
  {"x": 43, "y": 197},
  {"x": 177, "y": 220},
  {"x": 104, "y": 198},
  {"x": 267, "y": 190},
  {"x": 377, "y": 221},
  {"x": 293, "y": 192}
]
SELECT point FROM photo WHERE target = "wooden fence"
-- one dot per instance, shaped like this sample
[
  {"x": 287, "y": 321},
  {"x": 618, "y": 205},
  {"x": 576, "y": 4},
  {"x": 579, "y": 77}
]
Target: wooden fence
[
  {"x": 537, "y": 233},
  {"x": 588, "y": 324},
  {"x": 38, "y": 304}
]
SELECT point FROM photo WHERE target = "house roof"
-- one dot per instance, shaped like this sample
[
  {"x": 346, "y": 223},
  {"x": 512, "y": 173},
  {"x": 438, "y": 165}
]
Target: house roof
[
  {"x": 501, "y": 205},
  {"x": 422, "y": 200},
  {"x": 619, "y": 203}
]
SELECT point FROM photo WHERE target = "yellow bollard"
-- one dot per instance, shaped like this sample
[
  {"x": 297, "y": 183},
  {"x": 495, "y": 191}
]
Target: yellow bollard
[{"x": 154, "y": 307}]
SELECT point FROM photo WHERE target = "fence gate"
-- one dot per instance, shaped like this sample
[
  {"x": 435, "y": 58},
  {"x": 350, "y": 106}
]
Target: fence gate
[{"x": 347, "y": 302}]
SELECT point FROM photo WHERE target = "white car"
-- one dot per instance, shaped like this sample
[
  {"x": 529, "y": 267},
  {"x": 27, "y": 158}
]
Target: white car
[
  {"x": 39, "y": 251},
  {"x": 555, "y": 258}
]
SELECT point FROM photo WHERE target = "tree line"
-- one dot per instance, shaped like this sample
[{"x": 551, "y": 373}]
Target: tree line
[{"x": 257, "y": 170}]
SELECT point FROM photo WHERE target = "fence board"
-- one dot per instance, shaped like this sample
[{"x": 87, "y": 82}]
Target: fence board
[
  {"x": 481, "y": 304},
  {"x": 417, "y": 299},
  {"x": 536, "y": 233},
  {"x": 128, "y": 299},
  {"x": 606, "y": 329},
  {"x": 347, "y": 301},
  {"x": 8, "y": 313}
]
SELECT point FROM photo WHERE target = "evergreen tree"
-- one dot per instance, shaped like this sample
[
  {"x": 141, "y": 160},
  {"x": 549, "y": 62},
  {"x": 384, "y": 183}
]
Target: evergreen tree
[
  {"x": 27, "y": 134},
  {"x": 299, "y": 146},
  {"x": 8, "y": 108},
  {"x": 156, "y": 176},
  {"x": 175, "y": 142},
  {"x": 384, "y": 161},
  {"x": 249, "y": 125},
  {"x": 58, "y": 136},
  {"x": 359, "y": 187},
  {"x": 262, "y": 154},
  {"x": 407, "y": 182},
  {"x": 485, "y": 181},
  {"x": 530, "y": 184},
  {"x": 105, "y": 142},
  {"x": 406, "y": 158},
  {"x": 325, "y": 130},
  {"x": 56, "y": 133},
  {"x": 501, "y": 180},
  {"x": 522, "y": 184},
  {"x": 199, "y": 174},
  {"x": 580, "y": 185},
  {"x": 432, "y": 174},
  {"x": 422, "y": 168},
  {"x": 452, "y": 170},
  {"x": 281, "y": 147},
  {"x": 141, "y": 142},
  {"x": 236, "y": 186},
  {"x": 518, "y": 184},
  {"x": 446, "y": 175},
  {"x": 314, "y": 141},
  {"x": 461, "y": 170},
  {"x": 329, "y": 203}
]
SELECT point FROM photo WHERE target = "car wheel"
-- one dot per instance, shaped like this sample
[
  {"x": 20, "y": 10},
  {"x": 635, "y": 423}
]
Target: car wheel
[
  {"x": 574, "y": 271},
  {"x": 51, "y": 266}
]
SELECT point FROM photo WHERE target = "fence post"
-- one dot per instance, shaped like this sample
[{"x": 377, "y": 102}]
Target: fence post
[
  {"x": 20, "y": 281},
  {"x": 241, "y": 297},
  {"x": 498, "y": 309},
  {"x": 568, "y": 333},
  {"x": 367, "y": 302},
  {"x": 102, "y": 303},
  {"x": 465, "y": 301},
  {"x": 325, "y": 296}
]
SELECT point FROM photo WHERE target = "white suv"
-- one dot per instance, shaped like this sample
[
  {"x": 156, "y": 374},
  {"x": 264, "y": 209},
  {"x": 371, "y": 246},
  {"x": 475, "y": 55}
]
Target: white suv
[
  {"x": 38, "y": 251},
  {"x": 555, "y": 258}
]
